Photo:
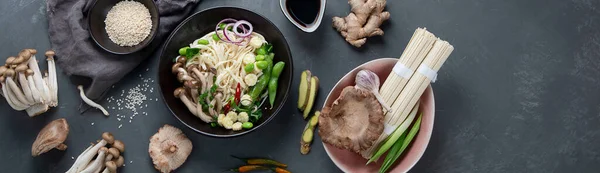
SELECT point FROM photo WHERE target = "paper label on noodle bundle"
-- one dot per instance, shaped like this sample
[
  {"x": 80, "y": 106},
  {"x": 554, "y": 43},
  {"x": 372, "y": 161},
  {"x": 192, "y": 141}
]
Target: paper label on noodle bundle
[
  {"x": 402, "y": 71},
  {"x": 428, "y": 72}
]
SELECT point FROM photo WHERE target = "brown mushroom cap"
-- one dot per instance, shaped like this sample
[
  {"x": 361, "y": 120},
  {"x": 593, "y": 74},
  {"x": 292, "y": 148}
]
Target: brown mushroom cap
[
  {"x": 119, "y": 145},
  {"x": 169, "y": 148},
  {"x": 120, "y": 161},
  {"x": 50, "y": 53},
  {"x": 191, "y": 84},
  {"x": 181, "y": 60},
  {"x": 25, "y": 53},
  {"x": 175, "y": 68},
  {"x": 51, "y": 136},
  {"x": 19, "y": 60},
  {"x": 28, "y": 72},
  {"x": 353, "y": 122},
  {"x": 21, "y": 68},
  {"x": 9, "y": 73},
  {"x": 2, "y": 70},
  {"x": 9, "y": 60},
  {"x": 178, "y": 92},
  {"x": 111, "y": 165},
  {"x": 114, "y": 152},
  {"x": 32, "y": 51},
  {"x": 108, "y": 137}
]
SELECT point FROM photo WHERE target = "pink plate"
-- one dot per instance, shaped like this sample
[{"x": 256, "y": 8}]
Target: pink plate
[{"x": 349, "y": 161}]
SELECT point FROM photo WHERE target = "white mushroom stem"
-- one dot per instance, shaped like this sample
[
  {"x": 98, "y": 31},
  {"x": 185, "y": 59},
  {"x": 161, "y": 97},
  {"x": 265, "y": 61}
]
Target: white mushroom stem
[
  {"x": 25, "y": 87},
  {"x": 85, "y": 157},
  {"x": 6, "y": 93},
  {"x": 37, "y": 96},
  {"x": 90, "y": 102},
  {"x": 17, "y": 91},
  {"x": 200, "y": 114},
  {"x": 105, "y": 170},
  {"x": 53, "y": 82},
  {"x": 36, "y": 109},
  {"x": 96, "y": 165},
  {"x": 40, "y": 84}
]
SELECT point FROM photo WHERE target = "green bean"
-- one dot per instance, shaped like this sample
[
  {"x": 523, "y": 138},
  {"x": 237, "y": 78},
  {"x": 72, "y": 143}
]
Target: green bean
[
  {"x": 277, "y": 68},
  {"x": 260, "y": 57},
  {"x": 216, "y": 37},
  {"x": 203, "y": 42},
  {"x": 183, "y": 50},
  {"x": 270, "y": 57},
  {"x": 262, "y": 64},
  {"x": 262, "y": 82},
  {"x": 249, "y": 68},
  {"x": 247, "y": 125}
]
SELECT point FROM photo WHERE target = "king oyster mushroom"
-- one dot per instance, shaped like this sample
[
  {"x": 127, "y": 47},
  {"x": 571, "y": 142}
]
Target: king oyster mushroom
[
  {"x": 169, "y": 148},
  {"x": 353, "y": 122},
  {"x": 51, "y": 136}
]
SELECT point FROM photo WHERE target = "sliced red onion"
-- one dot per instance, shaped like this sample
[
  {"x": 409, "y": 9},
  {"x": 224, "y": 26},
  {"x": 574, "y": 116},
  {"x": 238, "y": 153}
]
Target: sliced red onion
[
  {"x": 223, "y": 21},
  {"x": 239, "y": 24},
  {"x": 227, "y": 36}
]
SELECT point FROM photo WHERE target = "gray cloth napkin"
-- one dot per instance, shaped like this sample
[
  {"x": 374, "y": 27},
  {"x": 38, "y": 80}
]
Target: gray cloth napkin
[{"x": 78, "y": 55}]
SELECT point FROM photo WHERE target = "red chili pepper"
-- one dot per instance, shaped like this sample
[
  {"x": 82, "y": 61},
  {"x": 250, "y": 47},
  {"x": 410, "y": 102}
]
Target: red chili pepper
[
  {"x": 248, "y": 168},
  {"x": 238, "y": 93},
  {"x": 226, "y": 108},
  {"x": 280, "y": 170}
]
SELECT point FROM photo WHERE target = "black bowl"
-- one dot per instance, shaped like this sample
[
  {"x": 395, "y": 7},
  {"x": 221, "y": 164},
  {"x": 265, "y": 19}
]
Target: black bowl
[
  {"x": 96, "y": 17},
  {"x": 200, "y": 24}
]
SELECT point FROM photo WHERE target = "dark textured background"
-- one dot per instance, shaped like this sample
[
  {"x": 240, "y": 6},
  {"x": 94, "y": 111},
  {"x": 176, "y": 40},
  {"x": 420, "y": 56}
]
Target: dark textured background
[{"x": 519, "y": 93}]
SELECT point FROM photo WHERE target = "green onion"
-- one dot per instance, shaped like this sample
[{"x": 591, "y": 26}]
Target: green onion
[
  {"x": 395, "y": 135},
  {"x": 222, "y": 26},
  {"x": 216, "y": 37},
  {"x": 260, "y": 57},
  {"x": 396, "y": 151}
]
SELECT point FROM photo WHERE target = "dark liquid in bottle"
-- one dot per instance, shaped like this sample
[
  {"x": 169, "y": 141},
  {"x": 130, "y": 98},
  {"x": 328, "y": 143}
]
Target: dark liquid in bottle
[{"x": 304, "y": 12}]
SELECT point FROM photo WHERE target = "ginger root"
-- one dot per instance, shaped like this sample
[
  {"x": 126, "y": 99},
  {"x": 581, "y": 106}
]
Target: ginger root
[{"x": 363, "y": 21}]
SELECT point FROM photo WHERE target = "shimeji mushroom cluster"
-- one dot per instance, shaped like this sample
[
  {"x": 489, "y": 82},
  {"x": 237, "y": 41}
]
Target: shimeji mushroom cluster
[
  {"x": 193, "y": 79},
  {"x": 107, "y": 160},
  {"x": 23, "y": 85}
]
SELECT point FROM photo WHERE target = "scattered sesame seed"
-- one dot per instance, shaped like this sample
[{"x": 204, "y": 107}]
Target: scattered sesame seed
[
  {"x": 120, "y": 125},
  {"x": 72, "y": 158},
  {"x": 92, "y": 124}
]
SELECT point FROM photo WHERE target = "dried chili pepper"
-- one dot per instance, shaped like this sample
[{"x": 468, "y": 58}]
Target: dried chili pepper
[
  {"x": 248, "y": 168},
  {"x": 261, "y": 161}
]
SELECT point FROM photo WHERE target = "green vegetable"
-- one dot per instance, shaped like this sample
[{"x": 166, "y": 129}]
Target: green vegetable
[
  {"x": 260, "y": 51},
  {"x": 260, "y": 57},
  {"x": 262, "y": 82},
  {"x": 216, "y": 37},
  {"x": 397, "y": 151},
  {"x": 203, "y": 41},
  {"x": 213, "y": 124},
  {"x": 391, "y": 140},
  {"x": 270, "y": 57},
  {"x": 264, "y": 49},
  {"x": 277, "y": 68},
  {"x": 255, "y": 116},
  {"x": 222, "y": 26},
  {"x": 183, "y": 50},
  {"x": 247, "y": 125},
  {"x": 191, "y": 52},
  {"x": 262, "y": 64},
  {"x": 249, "y": 68}
]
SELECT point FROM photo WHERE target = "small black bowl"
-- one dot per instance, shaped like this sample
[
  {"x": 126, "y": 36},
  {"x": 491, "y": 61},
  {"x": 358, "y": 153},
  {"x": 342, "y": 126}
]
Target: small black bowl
[
  {"x": 96, "y": 17},
  {"x": 200, "y": 24}
]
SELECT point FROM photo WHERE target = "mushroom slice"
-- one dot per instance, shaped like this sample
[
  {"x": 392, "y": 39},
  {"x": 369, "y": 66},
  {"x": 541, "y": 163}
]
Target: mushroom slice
[
  {"x": 169, "y": 148},
  {"x": 353, "y": 122},
  {"x": 51, "y": 136}
]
